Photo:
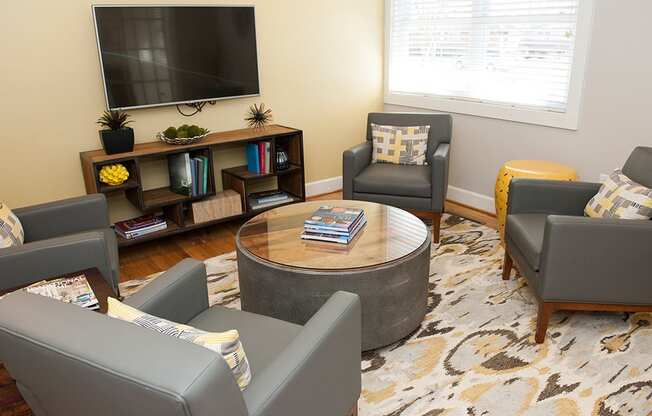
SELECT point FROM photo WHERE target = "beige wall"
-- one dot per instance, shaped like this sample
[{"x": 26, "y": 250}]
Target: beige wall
[
  {"x": 321, "y": 71},
  {"x": 615, "y": 115}
]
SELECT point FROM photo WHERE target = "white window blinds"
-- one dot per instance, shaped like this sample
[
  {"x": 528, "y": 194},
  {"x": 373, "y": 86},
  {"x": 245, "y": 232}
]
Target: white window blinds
[{"x": 512, "y": 52}]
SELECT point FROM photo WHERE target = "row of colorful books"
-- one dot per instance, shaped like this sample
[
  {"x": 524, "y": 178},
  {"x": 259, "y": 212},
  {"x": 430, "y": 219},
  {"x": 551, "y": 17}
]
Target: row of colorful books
[
  {"x": 334, "y": 224},
  {"x": 259, "y": 158},
  {"x": 259, "y": 200},
  {"x": 138, "y": 227},
  {"x": 188, "y": 174}
]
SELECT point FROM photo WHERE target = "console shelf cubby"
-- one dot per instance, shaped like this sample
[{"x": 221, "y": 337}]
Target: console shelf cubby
[{"x": 175, "y": 207}]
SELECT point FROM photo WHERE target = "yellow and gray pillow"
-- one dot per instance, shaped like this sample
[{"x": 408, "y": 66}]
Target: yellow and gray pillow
[
  {"x": 225, "y": 343},
  {"x": 621, "y": 197},
  {"x": 399, "y": 145},
  {"x": 11, "y": 230}
]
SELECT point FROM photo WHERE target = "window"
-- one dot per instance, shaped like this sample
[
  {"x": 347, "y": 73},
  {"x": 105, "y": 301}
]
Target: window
[{"x": 520, "y": 60}]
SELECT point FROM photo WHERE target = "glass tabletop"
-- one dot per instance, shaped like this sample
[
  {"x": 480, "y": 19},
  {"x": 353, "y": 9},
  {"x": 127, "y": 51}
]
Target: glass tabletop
[{"x": 390, "y": 234}]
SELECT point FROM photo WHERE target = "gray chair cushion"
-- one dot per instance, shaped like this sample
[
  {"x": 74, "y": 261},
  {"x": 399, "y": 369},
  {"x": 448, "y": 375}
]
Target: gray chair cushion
[
  {"x": 441, "y": 126},
  {"x": 262, "y": 338},
  {"x": 526, "y": 231},
  {"x": 390, "y": 179},
  {"x": 639, "y": 166}
]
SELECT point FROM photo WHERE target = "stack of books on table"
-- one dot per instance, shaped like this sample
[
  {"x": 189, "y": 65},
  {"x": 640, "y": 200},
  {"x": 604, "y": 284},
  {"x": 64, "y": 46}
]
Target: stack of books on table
[
  {"x": 259, "y": 200},
  {"x": 138, "y": 227},
  {"x": 334, "y": 224},
  {"x": 75, "y": 290}
]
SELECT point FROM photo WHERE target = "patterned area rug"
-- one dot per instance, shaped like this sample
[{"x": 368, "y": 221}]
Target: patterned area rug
[{"x": 474, "y": 354}]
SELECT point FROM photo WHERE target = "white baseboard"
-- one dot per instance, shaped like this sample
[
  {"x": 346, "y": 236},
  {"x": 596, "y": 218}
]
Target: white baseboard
[
  {"x": 324, "y": 186},
  {"x": 472, "y": 199},
  {"x": 463, "y": 196}
]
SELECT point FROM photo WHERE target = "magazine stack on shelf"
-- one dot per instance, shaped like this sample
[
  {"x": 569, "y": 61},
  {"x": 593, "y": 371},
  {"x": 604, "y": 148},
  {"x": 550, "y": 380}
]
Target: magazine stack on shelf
[
  {"x": 75, "y": 290},
  {"x": 138, "y": 227},
  {"x": 268, "y": 199},
  {"x": 334, "y": 224}
]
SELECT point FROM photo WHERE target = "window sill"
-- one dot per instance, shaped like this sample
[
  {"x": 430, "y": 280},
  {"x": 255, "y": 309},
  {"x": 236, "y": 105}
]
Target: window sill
[{"x": 567, "y": 120}]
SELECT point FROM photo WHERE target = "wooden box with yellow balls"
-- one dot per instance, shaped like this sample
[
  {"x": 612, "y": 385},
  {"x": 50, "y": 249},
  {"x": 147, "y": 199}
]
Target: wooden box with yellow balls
[{"x": 114, "y": 175}]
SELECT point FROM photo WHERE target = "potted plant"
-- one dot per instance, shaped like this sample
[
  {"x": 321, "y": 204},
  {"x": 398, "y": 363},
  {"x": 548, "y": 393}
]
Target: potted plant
[{"x": 116, "y": 136}]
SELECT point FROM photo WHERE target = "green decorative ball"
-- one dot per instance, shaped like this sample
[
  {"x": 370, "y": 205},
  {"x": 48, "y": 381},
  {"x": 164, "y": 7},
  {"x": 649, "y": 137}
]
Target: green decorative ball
[
  {"x": 182, "y": 134},
  {"x": 170, "y": 132},
  {"x": 194, "y": 130}
]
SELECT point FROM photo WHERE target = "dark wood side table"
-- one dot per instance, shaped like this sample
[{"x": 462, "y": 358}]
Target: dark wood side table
[{"x": 11, "y": 401}]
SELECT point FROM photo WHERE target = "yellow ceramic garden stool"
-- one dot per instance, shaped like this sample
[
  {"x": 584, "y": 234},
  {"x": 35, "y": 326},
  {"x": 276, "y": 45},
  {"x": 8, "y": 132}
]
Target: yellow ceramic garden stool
[{"x": 537, "y": 169}]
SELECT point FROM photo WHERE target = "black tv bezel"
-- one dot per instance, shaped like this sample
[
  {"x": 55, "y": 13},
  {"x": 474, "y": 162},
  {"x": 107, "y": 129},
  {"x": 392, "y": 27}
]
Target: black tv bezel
[{"x": 173, "y": 103}]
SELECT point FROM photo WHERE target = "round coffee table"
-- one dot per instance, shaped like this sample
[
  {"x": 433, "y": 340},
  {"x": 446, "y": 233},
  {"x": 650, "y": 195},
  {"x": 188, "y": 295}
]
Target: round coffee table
[{"x": 387, "y": 265}]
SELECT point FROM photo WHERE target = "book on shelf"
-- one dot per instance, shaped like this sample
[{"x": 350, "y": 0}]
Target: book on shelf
[
  {"x": 181, "y": 174},
  {"x": 268, "y": 158},
  {"x": 259, "y": 157},
  {"x": 75, "y": 290},
  {"x": 140, "y": 226},
  {"x": 206, "y": 168},
  {"x": 200, "y": 166},
  {"x": 193, "y": 174},
  {"x": 200, "y": 176},
  {"x": 252, "y": 158},
  {"x": 188, "y": 175}
]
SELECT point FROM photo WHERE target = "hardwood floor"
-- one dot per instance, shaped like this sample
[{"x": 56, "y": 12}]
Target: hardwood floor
[{"x": 137, "y": 262}]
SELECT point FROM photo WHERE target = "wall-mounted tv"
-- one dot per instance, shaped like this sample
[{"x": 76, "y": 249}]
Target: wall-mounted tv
[{"x": 165, "y": 55}]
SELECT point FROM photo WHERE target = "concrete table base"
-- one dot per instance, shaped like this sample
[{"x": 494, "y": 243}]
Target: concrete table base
[{"x": 393, "y": 295}]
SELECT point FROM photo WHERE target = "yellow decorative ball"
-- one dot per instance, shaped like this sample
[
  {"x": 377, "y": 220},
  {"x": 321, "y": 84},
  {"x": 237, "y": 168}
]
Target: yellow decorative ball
[{"x": 114, "y": 174}]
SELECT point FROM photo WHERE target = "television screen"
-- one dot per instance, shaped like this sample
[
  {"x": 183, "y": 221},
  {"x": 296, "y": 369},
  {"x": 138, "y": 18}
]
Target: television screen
[{"x": 162, "y": 55}]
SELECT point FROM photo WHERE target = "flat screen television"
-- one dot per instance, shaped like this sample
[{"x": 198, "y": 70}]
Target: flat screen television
[{"x": 166, "y": 55}]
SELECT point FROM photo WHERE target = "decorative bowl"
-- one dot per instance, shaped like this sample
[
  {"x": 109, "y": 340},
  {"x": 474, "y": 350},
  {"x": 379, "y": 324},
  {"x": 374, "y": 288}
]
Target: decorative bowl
[{"x": 181, "y": 140}]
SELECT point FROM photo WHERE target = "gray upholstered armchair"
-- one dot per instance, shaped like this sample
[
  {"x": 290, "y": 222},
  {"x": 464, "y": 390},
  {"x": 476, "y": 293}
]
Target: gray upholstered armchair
[
  {"x": 62, "y": 237},
  {"x": 573, "y": 262},
  {"x": 421, "y": 189},
  {"x": 69, "y": 361}
]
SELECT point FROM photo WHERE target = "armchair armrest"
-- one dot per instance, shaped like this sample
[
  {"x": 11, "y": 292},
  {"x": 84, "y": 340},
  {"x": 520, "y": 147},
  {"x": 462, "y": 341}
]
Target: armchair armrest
[
  {"x": 595, "y": 260},
  {"x": 31, "y": 262},
  {"x": 439, "y": 161},
  {"x": 178, "y": 294},
  {"x": 68, "y": 216},
  {"x": 117, "y": 367},
  {"x": 318, "y": 374},
  {"x": 354, "y": 161},
  {"x": 537, "y": 196}
]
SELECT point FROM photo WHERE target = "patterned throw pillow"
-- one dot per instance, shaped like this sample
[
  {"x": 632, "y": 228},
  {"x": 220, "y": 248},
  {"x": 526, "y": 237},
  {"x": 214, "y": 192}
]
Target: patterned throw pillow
[
  {"x": 620, "y": 197},
  {"x": 11, "y": 230},
  {"x": 225, "y": 343},
  {"x": 399, "y": 145}
]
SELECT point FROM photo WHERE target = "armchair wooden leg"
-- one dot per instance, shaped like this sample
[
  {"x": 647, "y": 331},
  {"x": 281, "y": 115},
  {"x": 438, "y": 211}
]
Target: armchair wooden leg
[
  {"x": 508, "y": 263},
  {"x": 436, "y": 225},
  {"x": 354, "y": 411},
  {"x": 545, "y": 311}
]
